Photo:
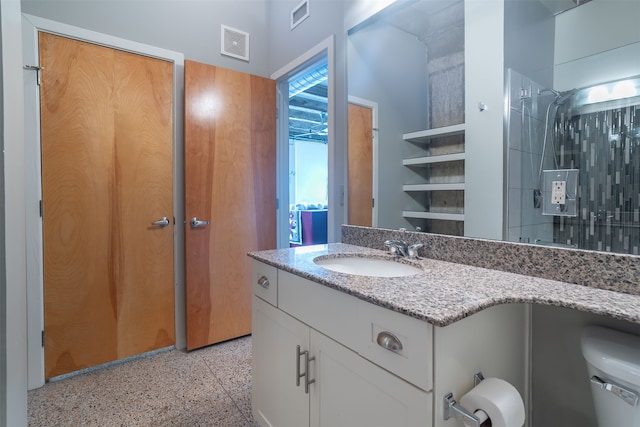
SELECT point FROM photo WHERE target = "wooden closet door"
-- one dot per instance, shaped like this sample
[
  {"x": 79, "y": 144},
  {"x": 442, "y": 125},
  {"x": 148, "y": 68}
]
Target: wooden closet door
[
  {"x": 107, "y": 173},
  {"x": 230, "y": 181},
  {"x": 360, "y": 176}
]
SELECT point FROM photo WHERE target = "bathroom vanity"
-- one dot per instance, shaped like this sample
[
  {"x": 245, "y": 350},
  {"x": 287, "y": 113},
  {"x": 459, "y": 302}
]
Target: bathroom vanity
[
  {"x": 340, "y": 349},
  {"x": 323, "y": 356}
]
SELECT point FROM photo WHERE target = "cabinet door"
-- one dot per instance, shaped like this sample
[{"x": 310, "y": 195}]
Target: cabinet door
[
  {"x": 351, "y": 391},
  {"x": 276, "y": 400}
]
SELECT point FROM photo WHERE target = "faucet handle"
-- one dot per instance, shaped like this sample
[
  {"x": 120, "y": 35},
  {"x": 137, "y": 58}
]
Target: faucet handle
[
  {"x": 393, "y": 249},
  {"x": 397, "y": 248},
  {"x": 413, "y": 250}
]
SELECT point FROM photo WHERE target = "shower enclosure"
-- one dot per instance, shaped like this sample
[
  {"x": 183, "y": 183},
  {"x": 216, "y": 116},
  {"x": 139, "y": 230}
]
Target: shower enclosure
[{"x": 594, "y": 131}]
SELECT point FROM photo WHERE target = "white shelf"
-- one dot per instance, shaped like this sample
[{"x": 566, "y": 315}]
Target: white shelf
[
  {"x": 433, "y": 187},
  {"x": 433, "y": 215},
  {"x": 427, "y": 160},
  {"x": 424, "y": 136}
]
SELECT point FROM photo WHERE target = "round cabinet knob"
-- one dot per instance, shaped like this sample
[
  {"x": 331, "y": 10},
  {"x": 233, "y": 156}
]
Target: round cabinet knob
[{"x": 263, "y": 281}]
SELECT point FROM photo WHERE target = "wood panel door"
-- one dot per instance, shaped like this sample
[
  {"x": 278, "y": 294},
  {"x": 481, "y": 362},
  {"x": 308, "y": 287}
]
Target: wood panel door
[
  {"x": 360, "y": 176},
  {"x": 107, "y": 174},
  {"x": 230, "y": 181}
]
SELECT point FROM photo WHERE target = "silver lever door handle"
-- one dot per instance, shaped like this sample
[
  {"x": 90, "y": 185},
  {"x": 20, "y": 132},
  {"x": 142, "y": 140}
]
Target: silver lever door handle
[
  {"x": 195, "y": 222},
  {"x": 162, "y": 222}
]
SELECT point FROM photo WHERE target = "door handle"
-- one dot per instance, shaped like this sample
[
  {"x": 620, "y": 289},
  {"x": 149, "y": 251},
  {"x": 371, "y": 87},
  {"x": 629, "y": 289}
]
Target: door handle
[
  {"x": 195, "y": 222},
  {"x": 162, "y": 222}
]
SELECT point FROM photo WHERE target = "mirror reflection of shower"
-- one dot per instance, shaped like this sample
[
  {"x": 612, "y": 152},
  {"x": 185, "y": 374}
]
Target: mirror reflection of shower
[
  {"x": 559, "y": 99},
  {"x": 587, "y": 139}
]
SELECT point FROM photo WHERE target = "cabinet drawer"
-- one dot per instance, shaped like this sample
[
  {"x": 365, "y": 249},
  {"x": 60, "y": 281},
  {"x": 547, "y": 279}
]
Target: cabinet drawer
[
  {"x": 327, "y": 310},
  {"x": 265, "y": 282},
  {"x": 382, "y": 327}
]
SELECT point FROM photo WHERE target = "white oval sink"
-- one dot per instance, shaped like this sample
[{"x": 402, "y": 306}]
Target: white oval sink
[{"x": 366, "y": 266}]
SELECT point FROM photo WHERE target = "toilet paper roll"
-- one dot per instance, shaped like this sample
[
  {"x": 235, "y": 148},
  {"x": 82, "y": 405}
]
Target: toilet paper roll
[{"x": 499, "y": 400}]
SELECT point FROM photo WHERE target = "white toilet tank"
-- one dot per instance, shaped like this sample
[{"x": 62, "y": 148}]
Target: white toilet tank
[{"x": 613, "y": 362}]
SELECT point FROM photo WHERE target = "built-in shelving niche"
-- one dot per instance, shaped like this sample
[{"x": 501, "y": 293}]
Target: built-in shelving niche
[{"x": 434, "y": 179}]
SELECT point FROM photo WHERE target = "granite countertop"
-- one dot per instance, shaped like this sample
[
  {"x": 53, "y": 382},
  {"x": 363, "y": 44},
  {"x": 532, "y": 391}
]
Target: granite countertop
[{"x": 447, "y": 292}]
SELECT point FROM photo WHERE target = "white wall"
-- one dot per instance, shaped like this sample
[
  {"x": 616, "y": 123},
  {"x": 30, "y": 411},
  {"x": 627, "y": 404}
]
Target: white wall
[
  {"x": 597, "y": 42},
  {"x": 13, "y": 324},
  {"x": 356, "y": 11},
  {"x": 191, "y": 27},
  {"x": 396, "y": 78},
  {"x": 484, "y": 137},
  {"x": 325, "y": 20},
  {"x": 529, "y": 40}
]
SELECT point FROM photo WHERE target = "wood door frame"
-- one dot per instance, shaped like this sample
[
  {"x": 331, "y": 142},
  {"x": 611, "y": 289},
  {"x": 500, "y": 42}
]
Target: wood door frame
[
  {"x": 374, "y": 152},
  {"x": 325, "y": 47},
  {"x": 31, "y": 26}
]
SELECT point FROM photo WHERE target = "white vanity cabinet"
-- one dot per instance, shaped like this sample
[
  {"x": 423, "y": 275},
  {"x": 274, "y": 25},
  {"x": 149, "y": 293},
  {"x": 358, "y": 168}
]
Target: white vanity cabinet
[
  {"x": 354, "y": 379},
  {"x": 276, "y": 400},
  {"x": 346, "y": 388}
]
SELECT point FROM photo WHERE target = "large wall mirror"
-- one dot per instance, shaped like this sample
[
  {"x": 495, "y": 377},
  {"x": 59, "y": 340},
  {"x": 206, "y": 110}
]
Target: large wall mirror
[{"x": 408, "y": 60}]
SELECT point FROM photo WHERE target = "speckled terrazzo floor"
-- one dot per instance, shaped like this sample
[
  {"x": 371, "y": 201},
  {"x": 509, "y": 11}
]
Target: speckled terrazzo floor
[{"x": 205, "y": 387}]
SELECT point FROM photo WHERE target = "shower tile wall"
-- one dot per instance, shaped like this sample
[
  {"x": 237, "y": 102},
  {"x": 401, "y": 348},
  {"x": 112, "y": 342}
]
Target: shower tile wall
[
  {"x": 525, "y": 135},
  {"x": 605, "y": 147}
]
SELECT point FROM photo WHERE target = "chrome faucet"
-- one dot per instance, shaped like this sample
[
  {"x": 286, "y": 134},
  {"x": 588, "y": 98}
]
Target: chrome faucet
[
  {"x": 400, "y": 249},
  {"x": 413, "y": 250},
  {"x": 397, "y": 248}
]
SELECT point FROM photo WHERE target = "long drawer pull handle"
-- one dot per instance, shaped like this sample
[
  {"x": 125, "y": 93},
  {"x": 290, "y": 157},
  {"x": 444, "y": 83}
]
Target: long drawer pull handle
[
  {"x": 263, "y": 281},
  {"x": 298, "y": 374},
  {"x": 307, "y": 360},
  {"x": 627, "y": 395},
  {"x": 307, "y": 381},
  {"x": 389, "y": 341}
]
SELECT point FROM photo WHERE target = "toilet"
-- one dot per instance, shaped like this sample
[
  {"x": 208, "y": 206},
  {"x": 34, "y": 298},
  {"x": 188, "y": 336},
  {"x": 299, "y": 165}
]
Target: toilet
[{"x": 613, "y": 362}]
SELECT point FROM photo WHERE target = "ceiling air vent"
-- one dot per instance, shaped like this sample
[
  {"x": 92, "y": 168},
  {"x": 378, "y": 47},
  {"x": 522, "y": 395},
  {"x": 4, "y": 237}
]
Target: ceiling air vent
[
  {"x": 234, "y": 43},
  {"x": 299, "y": 14}
]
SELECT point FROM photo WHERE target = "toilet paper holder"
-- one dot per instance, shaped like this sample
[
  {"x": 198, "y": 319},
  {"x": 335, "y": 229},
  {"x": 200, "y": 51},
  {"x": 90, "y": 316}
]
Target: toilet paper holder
[{"x": 453, "y": 409}]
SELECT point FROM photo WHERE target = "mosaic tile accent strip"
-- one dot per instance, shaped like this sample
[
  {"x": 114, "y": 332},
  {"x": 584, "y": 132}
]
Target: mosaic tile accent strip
[{"x": 605, "y": 147}]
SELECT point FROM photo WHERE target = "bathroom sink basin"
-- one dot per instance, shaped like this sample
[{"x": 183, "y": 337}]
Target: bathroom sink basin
[{"x": 366, "y": 266}]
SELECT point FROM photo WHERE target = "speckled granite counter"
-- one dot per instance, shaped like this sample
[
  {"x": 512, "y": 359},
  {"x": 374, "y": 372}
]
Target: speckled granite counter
[{"x": 447, "y": 292}]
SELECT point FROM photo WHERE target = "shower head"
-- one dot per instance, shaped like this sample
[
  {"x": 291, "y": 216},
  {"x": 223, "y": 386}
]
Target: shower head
[
  {"x": 545, "y": 90},
  {"x": 561, "y": 97}
]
